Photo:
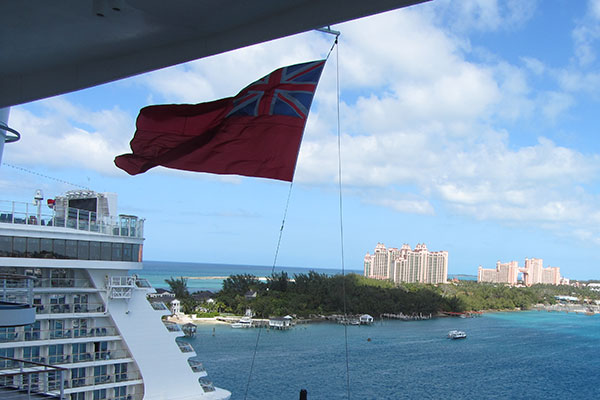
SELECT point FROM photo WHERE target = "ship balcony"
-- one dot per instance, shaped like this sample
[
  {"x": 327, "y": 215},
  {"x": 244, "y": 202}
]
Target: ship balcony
[
  {"x": 11, "y": 334},
  {"x": 22, "y": 213},
  {"x": 207, "y": 386},
  {"x": 172, "y": 327},
  {"x": 62, "y": 283},
  {"x": 197, "y": 367},
  {"x": 25, "y": 379},
  {"x": 69, "y": 308},
  {"x": 16, "y": 300},
  {"x": 122, "y": 287},
  {"x": 159, "y": 306},
  {"x": 185, "y": 347}
]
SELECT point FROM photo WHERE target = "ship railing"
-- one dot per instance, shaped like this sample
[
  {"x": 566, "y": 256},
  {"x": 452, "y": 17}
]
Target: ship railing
[
  {"x": 100, "y": 355},
  {"x": 143, "y": 283},
  {"x": 23, "y": 213},
  {"x": 69, "y": 308},
  {"x": 159, "y": 306},
  {"x": 15, "y": 288},
  {"x": 172, "y": 327},
  {"x": 184, "y": 347},
  {"x": 62, "y": 283},
  {"x": 196, "y": 365},
  {"x": 206, "y": 385},
  {"x": 28, "y": 378},
  {"x": 26, "y": 334},
  {"x": 95, "y": 380},
  {"x": 16, "y": 300}
]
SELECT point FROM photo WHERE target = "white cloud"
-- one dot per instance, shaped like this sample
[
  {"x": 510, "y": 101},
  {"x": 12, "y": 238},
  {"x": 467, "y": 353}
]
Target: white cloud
[{"x": 66, "y": 135}]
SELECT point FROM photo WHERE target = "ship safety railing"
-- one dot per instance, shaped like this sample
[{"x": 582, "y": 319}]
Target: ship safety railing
[
  {"x": 16, "y": 300},
  {"x": 27, "y": 334},
  {"x": 196, "y": 365},
  {"x": 159, "y": 306},
  {"x": 27, "y": 378},
  {"x": 69, "y": 308},
  {"x": 172, "y": 327},
  {"x": 62, "y": 283},
  {"x": 102, "y": 379},
  {"x": 206, "y": 385},
  {"x": 23, "y": 213},
  {"x": 184, "y": 347},
  {"x": 74, "y": 358}
]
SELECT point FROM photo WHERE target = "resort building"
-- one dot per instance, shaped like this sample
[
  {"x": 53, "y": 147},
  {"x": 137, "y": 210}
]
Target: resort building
[
  {"x": 406, "y": 264},
  {"x": 533, "y": 273}
]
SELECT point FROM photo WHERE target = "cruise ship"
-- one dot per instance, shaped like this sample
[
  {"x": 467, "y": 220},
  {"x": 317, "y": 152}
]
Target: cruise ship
[{"x": 71, "y": 269}]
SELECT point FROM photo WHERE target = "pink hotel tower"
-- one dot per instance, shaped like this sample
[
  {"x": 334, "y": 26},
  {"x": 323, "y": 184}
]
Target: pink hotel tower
[
  {"x": 533, "y": 272},
  {"x": 406, "y": 265}
]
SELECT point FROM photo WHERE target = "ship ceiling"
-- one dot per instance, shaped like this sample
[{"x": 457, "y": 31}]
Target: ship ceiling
[{"x": 55, "y": 47}]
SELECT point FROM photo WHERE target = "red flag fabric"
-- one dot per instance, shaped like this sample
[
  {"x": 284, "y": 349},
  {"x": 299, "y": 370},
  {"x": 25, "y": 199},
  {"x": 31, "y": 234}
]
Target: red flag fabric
[{"x": 256, "y": 133}]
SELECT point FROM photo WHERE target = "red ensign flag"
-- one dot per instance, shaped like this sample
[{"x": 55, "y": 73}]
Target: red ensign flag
[{"x": 256, "y": 133}]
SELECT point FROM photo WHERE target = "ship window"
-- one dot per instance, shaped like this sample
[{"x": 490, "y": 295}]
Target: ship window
[
  {"x": 71, "y": 246},
  {"x": 56, "y": 353},
  {"x": 78, "y": 379},
  {"x": 121, "y": 393},
  {"x": 94, "y": 250},
  {"x": 59, "y": 248},
  {"x": 137, "y": 253},
  {"x": 32, "y": 331},
  {"x": 127, "y": 254},
  {"x": 32, "y": 353},
  {"x": 19, "y": 246},
  {"x": 117, "y": 252},
  {"x": 100, "y": 394},
  {"x": 105, "y": 253},
  {"x": 33, "y": 247},
  {"x": 80, "y": 326},
  {"x": 6, "y": 246},
  {"x": 100, "y": 374},
  {"x": 121, "y": 372},
  {"x": 78, "y": 395},
  {"x": 6, "y": 353},
  {"x": 79, "y": 352},
  {"x": 46, "y": 248},
  {"x": 83, "y": 250}
]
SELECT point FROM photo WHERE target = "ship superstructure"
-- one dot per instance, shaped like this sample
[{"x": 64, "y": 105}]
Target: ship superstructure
[{"x": 92, "y": 320}]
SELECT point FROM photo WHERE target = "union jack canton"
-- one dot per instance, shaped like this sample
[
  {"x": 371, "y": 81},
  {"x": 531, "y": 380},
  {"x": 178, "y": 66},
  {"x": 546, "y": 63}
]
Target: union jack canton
[{"x": 287, "y": 91}]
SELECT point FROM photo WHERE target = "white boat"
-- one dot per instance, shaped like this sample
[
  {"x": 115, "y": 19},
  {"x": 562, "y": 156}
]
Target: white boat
[
  {"x": 93, "y": 328},
  {"x": 455, "y": 334},
  {"x": 244, "y": 322}
]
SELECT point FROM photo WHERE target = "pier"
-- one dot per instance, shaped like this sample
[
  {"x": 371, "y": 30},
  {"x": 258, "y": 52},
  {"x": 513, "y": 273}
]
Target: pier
[{"x": 403, "y": 317}]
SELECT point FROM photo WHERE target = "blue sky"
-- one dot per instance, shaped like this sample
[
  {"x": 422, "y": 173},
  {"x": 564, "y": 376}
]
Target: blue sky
[{"x": 470, "y": 126}]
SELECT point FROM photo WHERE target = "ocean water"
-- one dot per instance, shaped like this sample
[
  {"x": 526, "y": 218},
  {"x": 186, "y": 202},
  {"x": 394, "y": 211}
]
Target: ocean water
[
  {"x": 520, "y": 355},
  {"x": 200, "y": 275}
]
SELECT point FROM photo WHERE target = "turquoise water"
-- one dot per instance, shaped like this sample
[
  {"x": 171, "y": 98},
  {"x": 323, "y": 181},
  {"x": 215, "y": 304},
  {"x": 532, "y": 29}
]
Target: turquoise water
[
  {"x": 525, "y": 355},
  {"x": 157, "y": 271}
]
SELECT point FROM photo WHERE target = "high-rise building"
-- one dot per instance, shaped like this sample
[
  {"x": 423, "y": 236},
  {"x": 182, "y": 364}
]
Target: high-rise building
[
  {"x": 406, "y": 265},
  {"x": 533, "y": 273}
]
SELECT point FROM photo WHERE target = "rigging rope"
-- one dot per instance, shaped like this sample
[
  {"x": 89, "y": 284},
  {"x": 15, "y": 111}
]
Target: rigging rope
[
  {"x": 45, "y": 176},
  {"x": 339, "y": 143},
  {"x": 335, "y": 45}
]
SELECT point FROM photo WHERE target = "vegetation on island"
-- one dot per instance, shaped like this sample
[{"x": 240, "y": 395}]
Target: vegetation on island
[{"x": 320, "y": 294}]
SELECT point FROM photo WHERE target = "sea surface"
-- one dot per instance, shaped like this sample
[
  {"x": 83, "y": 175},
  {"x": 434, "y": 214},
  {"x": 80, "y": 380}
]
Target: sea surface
[
  {"x": 206, "y": 276},
  {"x": 519, "y": 355}
]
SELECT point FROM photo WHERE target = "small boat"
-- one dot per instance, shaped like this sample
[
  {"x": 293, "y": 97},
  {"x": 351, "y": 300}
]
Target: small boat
[
  {"x": 244, "y": 322},
  {"x": 457, "y": 334}
]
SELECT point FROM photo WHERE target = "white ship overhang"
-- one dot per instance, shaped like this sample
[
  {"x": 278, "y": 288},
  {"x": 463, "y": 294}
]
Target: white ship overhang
[{"x": 50, "y": 47}]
